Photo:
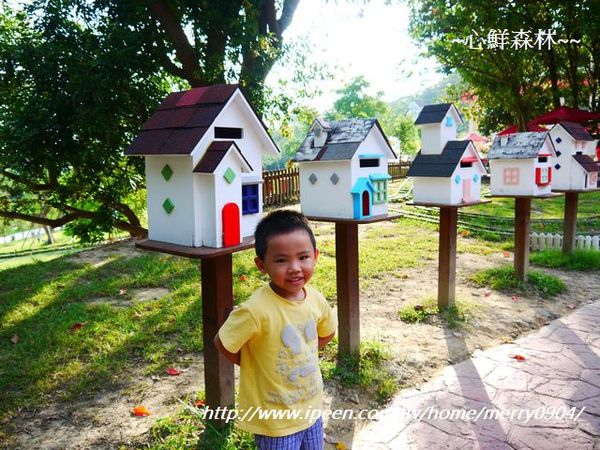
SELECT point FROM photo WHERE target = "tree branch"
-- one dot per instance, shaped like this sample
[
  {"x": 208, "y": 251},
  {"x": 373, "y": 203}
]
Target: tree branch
[
  {"x": 44, "y": 220},
  {"x": 287, "y": 14},
  {"x": 128, "y": 212},
  {"x": 33, "y": 186},
  {"x": 186, "y": 53}
]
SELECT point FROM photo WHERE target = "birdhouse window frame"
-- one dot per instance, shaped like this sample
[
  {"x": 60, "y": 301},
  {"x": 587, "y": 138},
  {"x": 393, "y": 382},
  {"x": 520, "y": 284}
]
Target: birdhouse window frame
[
  {"x": 380, "y": 193},
  {"x": 229, "y": 133},
  {"x": 250, "y": 199},
  {"x": 511, "y": 176},
  {"x": 543, "y": 176},
  {"x": 369, "y": 162}
]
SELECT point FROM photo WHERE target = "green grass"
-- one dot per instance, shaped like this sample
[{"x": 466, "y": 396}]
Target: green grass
[
  {"x": 39, "y": 303},
  {"x": 579, "y": 260},
  {"x": 369, "y": 371},
  {"x": 187, "y": 429},
  {"x": 551, "y": 208},
  {"x": 454, "y": 316},
  {"x": 503, "y": 279}
]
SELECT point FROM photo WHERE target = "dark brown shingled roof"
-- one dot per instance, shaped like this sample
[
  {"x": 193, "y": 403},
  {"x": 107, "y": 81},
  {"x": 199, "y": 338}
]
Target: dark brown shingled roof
[
  {"x": 181, "y": 120},
  {"x": 215, "y": 153},
  {"x": 588, "y": 164},
  {"x": 577, "y": 131}
]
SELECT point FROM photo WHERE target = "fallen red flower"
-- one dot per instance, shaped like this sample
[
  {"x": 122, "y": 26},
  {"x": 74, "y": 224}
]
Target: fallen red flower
[
  {"x": 77, "y": 326},
  {"x": 173, "y": 371},
  {"x": 141, "y": 411}
]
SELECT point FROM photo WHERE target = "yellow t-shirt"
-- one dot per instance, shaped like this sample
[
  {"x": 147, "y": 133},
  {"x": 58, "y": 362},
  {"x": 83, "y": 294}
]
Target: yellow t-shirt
[{"x": 279, "y": 365}]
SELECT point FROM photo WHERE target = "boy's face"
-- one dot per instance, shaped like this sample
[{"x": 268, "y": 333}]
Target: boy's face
[{"x": 289, "y": 261}]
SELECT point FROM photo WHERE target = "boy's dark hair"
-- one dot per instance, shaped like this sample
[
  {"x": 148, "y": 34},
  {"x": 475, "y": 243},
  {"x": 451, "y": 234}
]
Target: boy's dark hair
[{"x": 282, "y": 221}]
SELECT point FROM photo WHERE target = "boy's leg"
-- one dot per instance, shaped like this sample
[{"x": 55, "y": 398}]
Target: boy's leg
[
  {"x": 289, "y": 442},
  {"x": 309, "y": 439},
  {"x": 313, "y": 436}
]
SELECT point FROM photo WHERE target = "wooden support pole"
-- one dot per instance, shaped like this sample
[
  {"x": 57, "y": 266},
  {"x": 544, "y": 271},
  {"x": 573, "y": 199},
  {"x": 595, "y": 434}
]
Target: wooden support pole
[
  {"x": 346, "y": 262},
  {"x": 447, "y": 257},
  {"x": 522, "y": 227},
  {"x": 217, "y": 303},
  {"x": 570, "y": 222}
]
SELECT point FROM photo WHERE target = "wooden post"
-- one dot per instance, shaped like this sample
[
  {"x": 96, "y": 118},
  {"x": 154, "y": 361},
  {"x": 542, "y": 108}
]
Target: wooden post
[
  {"x": 217, "y": 303},
  {"x": 346, "y": 266},
  {"x": 447, "y": 257},
  {"x": 522, "y": 227},
  {"x": 570, "y": 222}
]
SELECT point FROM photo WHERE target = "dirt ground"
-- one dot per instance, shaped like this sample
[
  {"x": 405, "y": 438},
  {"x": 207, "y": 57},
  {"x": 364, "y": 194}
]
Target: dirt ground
[{"x": 418, "y": 352}]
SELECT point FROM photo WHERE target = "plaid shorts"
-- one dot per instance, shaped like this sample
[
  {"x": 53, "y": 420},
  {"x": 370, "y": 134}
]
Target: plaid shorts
[{"x": 309, "y": 439}]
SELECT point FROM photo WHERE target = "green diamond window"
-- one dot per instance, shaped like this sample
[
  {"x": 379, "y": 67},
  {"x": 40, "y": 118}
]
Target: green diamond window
[
  {"x": 168, "y": 206},
  {"x": 229, "y": 175},
  {"x": 167, "y": 172}
]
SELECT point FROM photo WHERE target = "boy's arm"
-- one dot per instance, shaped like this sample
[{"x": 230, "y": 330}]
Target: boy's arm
[
  {"x": 233, "y": 357},
  {"x": 323, "y": 341}
]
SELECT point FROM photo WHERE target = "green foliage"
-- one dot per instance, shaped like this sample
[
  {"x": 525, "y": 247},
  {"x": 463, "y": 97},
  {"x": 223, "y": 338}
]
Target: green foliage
[
  {"x": 188, "y": 429},
  {"x": 369, "y": 370},
  {"x": 354, "y": 102},
  {"x": 504, "y": 279},
  {"x": 513, "y": 85},
  {"x": 78, "y": 79},
  {"x": 454, "y": 316},
  {"x": 72, "y": 100},
  {"x": 410, "y": 314},
  {"x": 578, "y": 260}
]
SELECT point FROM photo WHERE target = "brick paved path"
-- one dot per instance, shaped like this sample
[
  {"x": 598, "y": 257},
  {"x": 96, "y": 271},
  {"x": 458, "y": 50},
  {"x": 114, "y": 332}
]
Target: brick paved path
[{"x": 561, "y": 371}]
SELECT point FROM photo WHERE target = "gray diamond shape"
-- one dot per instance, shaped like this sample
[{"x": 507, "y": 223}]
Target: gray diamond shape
[
  {"x": 313, "y": 178},
  {"x": 334, "y": 178}
]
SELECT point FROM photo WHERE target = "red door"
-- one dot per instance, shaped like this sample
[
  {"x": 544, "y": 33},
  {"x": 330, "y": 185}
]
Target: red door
[
  {"x": 366, "y": 210},
  {"x": 231, "y": 225}
]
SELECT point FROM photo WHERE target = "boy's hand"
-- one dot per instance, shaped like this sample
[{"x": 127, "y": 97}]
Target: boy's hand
[
  {"x": 233, "y": 357},
  {"x": 323, "y": 341}
]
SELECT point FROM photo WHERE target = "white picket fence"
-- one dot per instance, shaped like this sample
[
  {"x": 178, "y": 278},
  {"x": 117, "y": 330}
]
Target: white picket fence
[{"x": 541, "y": 241}]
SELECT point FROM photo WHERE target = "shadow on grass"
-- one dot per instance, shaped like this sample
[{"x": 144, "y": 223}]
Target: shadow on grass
[{"x": 51, "y": 360}]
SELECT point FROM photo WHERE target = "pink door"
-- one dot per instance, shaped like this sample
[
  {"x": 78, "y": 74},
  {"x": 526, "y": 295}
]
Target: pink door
[
  {"x": 366, "y": 210},
  {"x": 467, "y": 190},
  {"x": 231, "y": 225}
]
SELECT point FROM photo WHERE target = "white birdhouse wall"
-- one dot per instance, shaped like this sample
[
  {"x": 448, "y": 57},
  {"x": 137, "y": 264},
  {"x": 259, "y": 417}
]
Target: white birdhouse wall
[{"x": 170, "y": 201}]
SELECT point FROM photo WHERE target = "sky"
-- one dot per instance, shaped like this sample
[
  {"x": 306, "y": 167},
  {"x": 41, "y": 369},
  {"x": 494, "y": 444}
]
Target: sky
[{"x": 360, "y": 39}]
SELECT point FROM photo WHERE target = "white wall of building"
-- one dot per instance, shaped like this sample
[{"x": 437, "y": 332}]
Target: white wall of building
[
  {"x": 323, "y": 198},
  {"x": 433, "y": 190},
  {"x": 526, "y": 185},
  {"x": 177, "y": 227},
  {"x": 431, "y": 139}
]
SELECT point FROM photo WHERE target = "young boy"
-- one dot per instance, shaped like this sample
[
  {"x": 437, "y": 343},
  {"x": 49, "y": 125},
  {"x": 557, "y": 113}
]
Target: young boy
[{"x": 275, "y": 335}]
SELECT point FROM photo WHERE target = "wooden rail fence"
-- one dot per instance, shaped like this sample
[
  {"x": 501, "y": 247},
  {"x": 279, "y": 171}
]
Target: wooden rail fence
[{"x": 282, "y": 186}]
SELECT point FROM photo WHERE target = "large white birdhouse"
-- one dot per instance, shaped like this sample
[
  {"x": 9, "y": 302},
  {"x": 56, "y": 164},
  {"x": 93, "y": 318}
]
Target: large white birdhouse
[
  {"x": 344, "y": 169},
  {"x": 574, "y": 168},
  {"x": 521, "y": 164},
  {"x": 203, "y": 150},
  {"x": 445, "y": 171}
]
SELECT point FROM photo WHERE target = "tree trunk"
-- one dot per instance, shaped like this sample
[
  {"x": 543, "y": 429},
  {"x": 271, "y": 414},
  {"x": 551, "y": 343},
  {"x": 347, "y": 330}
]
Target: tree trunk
[
  {"x": 550, "y": 58},
  {"x": 49, "y": 235}
]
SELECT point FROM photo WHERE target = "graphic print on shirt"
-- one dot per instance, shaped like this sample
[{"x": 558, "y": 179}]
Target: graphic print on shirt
[{"x": 298, "y": 364}]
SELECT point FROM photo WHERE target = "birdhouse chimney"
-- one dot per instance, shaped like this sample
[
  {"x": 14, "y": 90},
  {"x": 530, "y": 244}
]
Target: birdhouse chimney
[
  {"x": 438, "y": 125},
  {"x": 320, "y": 128}
]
